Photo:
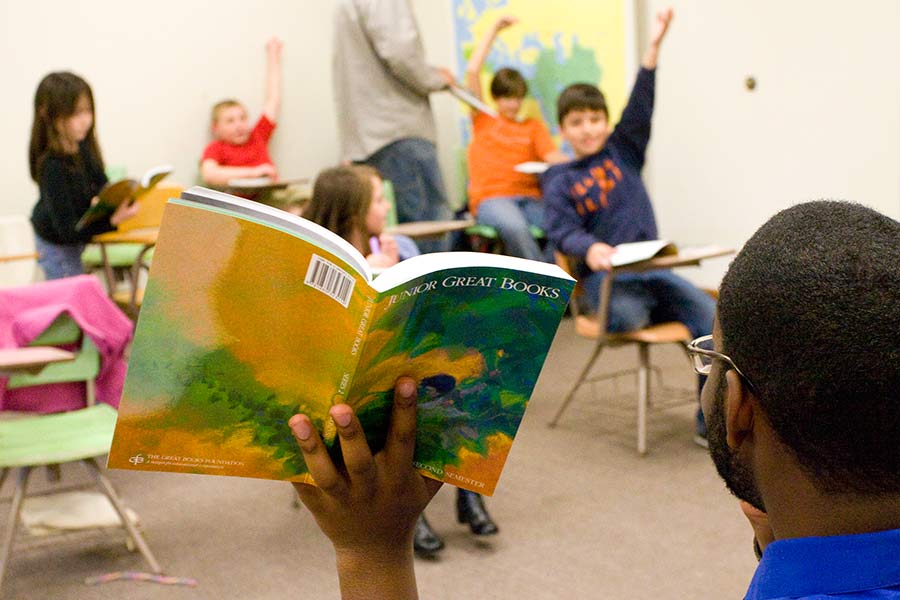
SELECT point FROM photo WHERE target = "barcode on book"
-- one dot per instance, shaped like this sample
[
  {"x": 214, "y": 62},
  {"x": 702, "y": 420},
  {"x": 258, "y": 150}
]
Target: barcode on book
[{"x": 330, "y": 279}]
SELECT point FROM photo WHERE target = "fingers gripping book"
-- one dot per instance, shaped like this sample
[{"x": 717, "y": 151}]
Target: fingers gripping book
[{"x": 252, "y": 315}]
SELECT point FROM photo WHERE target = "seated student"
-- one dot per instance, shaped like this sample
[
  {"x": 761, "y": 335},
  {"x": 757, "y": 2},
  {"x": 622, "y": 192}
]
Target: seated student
[
  {"x": 239, "y": 151},
  {"x": 599, "y": 200},
  {"x": 804, "y": 376},
  {"x": 348, "y": 200},
  {"x": 500, "y": 196}
]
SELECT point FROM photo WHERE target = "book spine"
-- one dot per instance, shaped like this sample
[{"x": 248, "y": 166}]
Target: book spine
[{"x": 356, "y": 350}]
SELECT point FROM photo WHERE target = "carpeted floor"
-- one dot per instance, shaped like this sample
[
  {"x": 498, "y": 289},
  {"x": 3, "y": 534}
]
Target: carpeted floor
[{"x": 581, "y": 516}]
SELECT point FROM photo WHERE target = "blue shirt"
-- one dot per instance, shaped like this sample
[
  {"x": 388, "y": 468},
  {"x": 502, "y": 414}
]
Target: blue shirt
[
  {"x": 601, "y": 197},
  {"x": 847, "y": 566}
]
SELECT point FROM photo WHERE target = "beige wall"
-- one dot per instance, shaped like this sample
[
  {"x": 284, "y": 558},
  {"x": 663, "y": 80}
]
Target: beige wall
[
  {"x": 155, "y": 77},
  {"x": 824, "y": 120}
]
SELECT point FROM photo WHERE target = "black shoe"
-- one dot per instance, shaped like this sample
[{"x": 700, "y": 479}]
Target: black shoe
[
  {"x": 470, "y": 509},
  {"x": 426, "y": 542}
]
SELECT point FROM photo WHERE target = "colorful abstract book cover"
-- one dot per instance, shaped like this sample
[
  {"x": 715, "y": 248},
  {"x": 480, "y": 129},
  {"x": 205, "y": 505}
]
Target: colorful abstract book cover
[{"x": 246, "y": 323}]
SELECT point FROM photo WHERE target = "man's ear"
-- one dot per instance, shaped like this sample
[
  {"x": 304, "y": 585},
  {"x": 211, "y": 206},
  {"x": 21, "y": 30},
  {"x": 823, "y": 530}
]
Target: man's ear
[{"x": 739, "y": 409}]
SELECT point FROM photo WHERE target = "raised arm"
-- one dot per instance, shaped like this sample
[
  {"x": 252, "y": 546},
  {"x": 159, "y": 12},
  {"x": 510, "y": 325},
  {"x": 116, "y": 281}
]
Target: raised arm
[
  {"x": 632, "y": 133},
  {"x": 660, "y": 27},
  {"x": 368, "y": 509},
  {"x": 394, "y": 35},
  {"x": 476, "y": 60},
  {"x": 272, "y": 104}
]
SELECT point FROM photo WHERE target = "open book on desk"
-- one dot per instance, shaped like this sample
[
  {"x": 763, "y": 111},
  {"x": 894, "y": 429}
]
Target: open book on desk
[
  {"x": 115, "y": 193},
  {"x": 251, "y": 315},
  {"x": 633, "y": 252}
]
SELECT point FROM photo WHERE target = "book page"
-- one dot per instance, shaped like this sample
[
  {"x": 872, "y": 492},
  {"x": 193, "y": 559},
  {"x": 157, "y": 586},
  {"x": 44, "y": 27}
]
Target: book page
[
  {"x": 532, "y": 167},
  {"x": 155, "y": 175},
  {"x": 475, "y": 337},
  {"x": 633, "y": 252},
  {"x": 440, "y": 261},
  {"x": 242, "y": 326}
]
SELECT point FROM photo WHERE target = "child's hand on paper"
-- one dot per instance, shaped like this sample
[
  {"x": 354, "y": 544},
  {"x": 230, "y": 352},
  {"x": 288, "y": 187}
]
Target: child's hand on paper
[
  {"x": 267, "y": 170},
  {"x": 599, "y": 257},
  {"x": 369, "y": 508},
  {"x": 123, "y": 212},
  {"x": 384, "y": 252}
]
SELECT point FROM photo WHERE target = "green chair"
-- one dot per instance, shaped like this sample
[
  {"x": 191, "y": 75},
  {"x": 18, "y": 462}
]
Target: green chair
[
  {"x": 79, "y": 435},
  {"x": 387, "y": 190},
  {"x": 85, "y": 367}
]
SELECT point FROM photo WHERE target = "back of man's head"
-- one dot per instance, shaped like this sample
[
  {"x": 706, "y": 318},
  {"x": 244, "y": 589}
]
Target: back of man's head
[{"x": 810, "y": 311}]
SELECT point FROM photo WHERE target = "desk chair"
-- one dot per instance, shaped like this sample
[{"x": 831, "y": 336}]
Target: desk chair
[
  {"x": 123, "y": 257},
  {"x": 79, "y": 435},
  {"x": 85, "y": 367},
  {"x": 593, "y": 327}
]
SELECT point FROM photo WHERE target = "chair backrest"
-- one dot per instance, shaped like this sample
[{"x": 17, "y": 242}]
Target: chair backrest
[
  {"x": 18, "y": 259},
  {"x": 151, "y": 205},
  {"x": 388, "y": 192},
  {"x": 85, "y": 367}
]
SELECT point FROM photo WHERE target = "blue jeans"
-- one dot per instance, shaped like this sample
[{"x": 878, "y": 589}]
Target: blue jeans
[
  {"x": 58, "y": 260},
  {"x": 640, "y": 299},
  {"x": 511, "y": 216},
  {"x": 412, "y": 167}
]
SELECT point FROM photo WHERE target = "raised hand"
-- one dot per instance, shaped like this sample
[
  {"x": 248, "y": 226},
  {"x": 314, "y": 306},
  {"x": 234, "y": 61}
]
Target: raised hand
[{"x": 661, "y": 26}]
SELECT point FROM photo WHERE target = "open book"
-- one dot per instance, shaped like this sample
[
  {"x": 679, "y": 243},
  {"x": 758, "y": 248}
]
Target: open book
[
  {"x": 532, "y": 167},
  {"x": 252, "y": 315},
  {"x": 115, "y": 193},
  {"x": 633, "y": 252}
]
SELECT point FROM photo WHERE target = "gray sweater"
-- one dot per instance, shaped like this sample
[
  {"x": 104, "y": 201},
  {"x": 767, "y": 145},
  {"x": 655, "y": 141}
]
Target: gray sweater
[{"x": 381, "y": 81}]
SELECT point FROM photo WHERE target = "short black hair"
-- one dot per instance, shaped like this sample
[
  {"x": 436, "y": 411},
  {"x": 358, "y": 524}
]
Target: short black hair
[
  {"x": 508, "y": 83},
  {"x": 810, "y": 311},
  {"x": 580, "y": 96}
]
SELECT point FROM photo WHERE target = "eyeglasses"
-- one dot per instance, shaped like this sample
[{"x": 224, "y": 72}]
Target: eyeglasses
[{"x": 702, "y": 355}]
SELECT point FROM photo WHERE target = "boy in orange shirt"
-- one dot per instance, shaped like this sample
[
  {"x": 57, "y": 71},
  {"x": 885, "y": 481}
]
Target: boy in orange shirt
[
  {"x": 239, "y": 150},
  {"x": 500, "y": 196}
]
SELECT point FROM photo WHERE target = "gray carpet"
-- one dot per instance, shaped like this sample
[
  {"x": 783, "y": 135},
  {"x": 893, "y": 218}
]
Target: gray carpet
[{"x": 581, "y": 516}]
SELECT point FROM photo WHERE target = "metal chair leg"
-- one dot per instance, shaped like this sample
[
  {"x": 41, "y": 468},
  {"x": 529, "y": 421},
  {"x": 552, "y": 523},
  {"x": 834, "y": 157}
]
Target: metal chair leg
[
  {"x": 136, "y": 536},
  {"x": 581, "y": 378},
  {"x": 643, "y": 381},
  {"x": 13, "y": 519}
]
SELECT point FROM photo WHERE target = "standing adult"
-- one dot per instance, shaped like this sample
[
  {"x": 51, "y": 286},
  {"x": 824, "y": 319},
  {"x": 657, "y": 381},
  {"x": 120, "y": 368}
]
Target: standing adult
[{"x": 381, "y": 88}]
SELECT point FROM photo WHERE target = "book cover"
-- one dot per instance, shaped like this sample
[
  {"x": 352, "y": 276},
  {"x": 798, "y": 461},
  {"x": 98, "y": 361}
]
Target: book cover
[
  {"x": 115, "y": 193},
  {"x": 252, "y": 315}
]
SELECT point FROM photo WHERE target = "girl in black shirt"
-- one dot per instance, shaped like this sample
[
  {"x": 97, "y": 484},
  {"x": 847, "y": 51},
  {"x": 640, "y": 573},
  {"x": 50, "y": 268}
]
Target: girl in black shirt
[{"x": 66, "y": 163}]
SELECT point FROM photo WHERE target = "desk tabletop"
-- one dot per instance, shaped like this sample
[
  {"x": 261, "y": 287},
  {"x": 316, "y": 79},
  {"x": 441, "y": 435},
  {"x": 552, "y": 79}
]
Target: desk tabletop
[
  {"x": 145, "y": 235},
  {"x": 424, "y": 229},
  {"x": 30, "y": 359},
  {"x": 686, "y": 257}
]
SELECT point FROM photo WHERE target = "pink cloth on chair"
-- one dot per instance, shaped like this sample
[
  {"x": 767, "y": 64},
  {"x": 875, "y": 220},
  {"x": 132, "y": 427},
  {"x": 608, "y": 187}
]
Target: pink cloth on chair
[{"x": 25, "y": 312}]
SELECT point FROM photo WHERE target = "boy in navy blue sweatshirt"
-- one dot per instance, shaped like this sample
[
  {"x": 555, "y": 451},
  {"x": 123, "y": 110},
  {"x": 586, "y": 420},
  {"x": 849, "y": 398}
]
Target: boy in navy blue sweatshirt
[{"x": 599, "y": 200}]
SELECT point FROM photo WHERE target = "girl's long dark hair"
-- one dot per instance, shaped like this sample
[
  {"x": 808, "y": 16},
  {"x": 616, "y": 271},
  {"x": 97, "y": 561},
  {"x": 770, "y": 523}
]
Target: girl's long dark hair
[
  {"x": 57, "y": 98},
  {"x": 340, "y": 201}
]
